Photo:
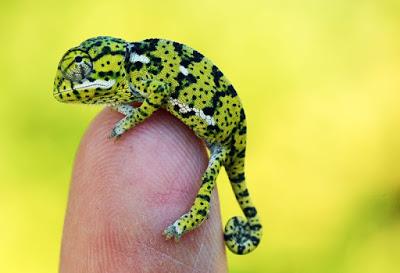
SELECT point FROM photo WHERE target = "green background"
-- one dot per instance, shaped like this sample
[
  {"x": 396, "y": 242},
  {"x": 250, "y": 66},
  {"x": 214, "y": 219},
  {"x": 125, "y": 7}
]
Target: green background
[{"x": 321, "y": 86}]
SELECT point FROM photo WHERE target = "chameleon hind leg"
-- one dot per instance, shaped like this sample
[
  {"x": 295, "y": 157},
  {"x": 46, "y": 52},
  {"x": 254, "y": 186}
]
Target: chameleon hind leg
[
  {"x": 201, "y": 206},
  {"x": 242, "y": 235}
]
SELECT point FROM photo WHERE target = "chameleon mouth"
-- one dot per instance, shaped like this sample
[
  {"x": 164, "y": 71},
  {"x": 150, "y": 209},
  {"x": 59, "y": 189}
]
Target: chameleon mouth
[{"x": 90, "y": 85}]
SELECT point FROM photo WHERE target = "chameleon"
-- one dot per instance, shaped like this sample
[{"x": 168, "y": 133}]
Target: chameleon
[{"x": 160, "y": 73}]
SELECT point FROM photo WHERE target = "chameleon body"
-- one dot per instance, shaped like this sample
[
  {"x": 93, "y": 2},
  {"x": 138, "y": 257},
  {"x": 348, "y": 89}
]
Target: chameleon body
[{"x": 165, "y": 74}]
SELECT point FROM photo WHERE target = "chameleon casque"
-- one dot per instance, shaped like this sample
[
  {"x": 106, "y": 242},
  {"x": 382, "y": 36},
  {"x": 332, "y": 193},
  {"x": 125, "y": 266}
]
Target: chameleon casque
[{"x": 165, "y": 74}]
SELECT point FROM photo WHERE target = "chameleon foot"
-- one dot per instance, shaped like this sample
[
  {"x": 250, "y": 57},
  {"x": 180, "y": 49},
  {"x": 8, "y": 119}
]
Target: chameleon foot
[
  {"x": 173, "y": 231},
  {"x": 114, "y": 134}
]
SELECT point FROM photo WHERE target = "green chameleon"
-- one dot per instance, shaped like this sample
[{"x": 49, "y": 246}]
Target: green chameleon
[{"x": 164, "y": 74}]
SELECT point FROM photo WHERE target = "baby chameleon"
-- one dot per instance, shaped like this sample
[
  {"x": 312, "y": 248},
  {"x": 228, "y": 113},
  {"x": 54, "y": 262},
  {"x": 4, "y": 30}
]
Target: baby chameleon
[{"x": 164, "y": 74}]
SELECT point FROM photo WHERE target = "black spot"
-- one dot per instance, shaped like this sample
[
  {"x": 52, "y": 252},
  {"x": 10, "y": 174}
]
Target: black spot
[
  {"x": 152, "y": 44},
  {"x": 204, "y": 197},
  {"x": 231, "y": 91},
  {"x": 178, "y": 48},
  {"x": 242, "y": 115},
  {"x": 255, "y": 240},
  {"x": 243, "y": 130},
  {"x": 217, "y": 74},
  {"x": 197, "y": 57},
  {"x": 106, "y": 73},
  {"x": 216, "y": 102},
  {"x": 228, "y": 237},
  {"x": 76, "y": 93},
  {"x": 185, "y": 62},
  {"x": 250, "y": 212},
  {"x": 176, "y": 108},
  {"x": 202, "y": 212},
  {"x": 136, "y": 66},
  {"x": 191, "y": 78},
  {"x": 106, "y": 50},
  {"x": 237, "y": 179},
  {"x": 174, "y": 95},
  {"x": 209, "y": 111},
  {"x": 255, "y": 227},
  {"x": 184, "y": 81},
  {"x": 78, "y": 59},
  {"x": 240, "y": 249},
  {"x": 245, "y": 193},
  {"x": 241, "y": 154}
]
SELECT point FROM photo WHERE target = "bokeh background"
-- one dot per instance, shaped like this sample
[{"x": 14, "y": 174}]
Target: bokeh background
[{"x": 320, "y": 81}]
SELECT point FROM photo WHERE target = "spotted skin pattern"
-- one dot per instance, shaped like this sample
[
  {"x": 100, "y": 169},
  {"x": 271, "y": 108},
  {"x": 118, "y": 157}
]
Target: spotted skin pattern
[{"x": 165, "y": 74}]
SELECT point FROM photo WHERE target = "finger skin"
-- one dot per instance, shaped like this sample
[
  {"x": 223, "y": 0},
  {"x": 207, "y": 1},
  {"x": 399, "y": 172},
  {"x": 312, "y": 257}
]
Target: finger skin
[{"x": 124, "y": 193}]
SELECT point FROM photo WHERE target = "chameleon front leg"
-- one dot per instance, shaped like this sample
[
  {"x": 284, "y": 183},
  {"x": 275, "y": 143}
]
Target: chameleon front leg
[
  {"x": 155, "y": 93},
  {"x": 201, "y": 206}
]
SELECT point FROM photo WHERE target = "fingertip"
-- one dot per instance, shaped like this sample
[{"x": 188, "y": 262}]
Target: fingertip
[{"x": 125, "y": 192}]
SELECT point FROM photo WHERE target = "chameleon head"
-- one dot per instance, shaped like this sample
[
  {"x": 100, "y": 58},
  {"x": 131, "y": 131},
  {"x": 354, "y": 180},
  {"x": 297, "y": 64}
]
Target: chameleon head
[{"x": 93, "y": 72}]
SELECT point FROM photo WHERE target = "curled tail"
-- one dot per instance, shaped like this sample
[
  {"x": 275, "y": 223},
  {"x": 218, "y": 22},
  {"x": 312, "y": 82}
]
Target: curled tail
[{"x": 242, "y": 235}]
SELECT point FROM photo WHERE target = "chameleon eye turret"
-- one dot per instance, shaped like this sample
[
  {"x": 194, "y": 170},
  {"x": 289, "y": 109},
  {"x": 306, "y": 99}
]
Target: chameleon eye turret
[
  {"x": 76, "y": 65},
  {"x": 166, "y": 74}
]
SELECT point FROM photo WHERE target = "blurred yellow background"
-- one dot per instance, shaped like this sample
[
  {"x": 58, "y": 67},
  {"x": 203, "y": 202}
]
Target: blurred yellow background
[{"x": 320, "y": 81}]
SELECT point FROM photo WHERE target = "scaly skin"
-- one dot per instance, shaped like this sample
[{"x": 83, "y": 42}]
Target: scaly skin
[{"x": 165, "y": 74}]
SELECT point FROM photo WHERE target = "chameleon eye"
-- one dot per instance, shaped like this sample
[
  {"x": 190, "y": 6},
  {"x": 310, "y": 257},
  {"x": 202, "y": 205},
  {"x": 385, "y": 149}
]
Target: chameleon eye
[{"x": 76, "y": 65}]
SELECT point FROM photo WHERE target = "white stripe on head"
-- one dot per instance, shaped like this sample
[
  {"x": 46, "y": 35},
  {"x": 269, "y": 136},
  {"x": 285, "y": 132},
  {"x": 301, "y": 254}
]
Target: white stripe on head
[{"x": 95, "y": 84}]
